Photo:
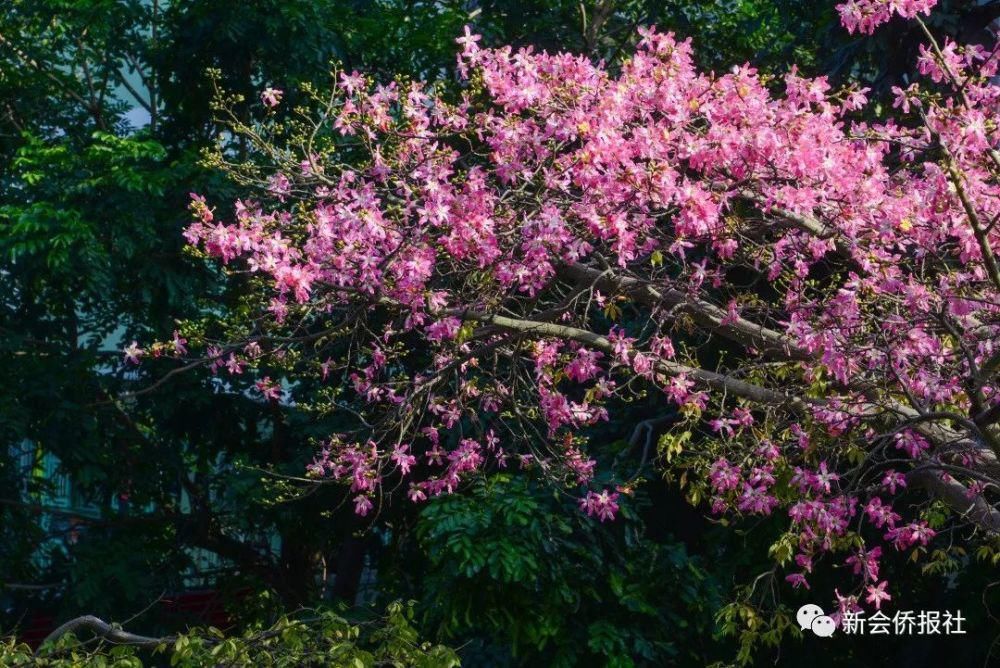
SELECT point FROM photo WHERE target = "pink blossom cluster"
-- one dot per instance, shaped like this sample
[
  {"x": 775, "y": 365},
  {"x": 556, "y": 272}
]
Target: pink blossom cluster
[
  {"x": 603, "y": 504},
  {"x": 866, "y": 15},
  {"x": 510, "y": 264}
]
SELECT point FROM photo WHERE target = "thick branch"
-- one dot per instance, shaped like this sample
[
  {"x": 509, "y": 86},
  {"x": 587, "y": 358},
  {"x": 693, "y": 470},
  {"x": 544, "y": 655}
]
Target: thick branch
[
  {"x": 952, "y": 492},
  {"x": 810, "y": 225},
  {"x": 704, "y": 377},
  {"x": 956, "y": 495},
  {"x": 708, "y": 315},
  {"x": 989, "y": 259},
  {"x": 106, "y": 631}
]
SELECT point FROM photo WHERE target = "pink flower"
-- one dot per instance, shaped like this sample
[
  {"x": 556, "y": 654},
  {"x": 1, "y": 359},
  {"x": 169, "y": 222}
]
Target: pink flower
[
  {"x": 351, "y": 82},
  {"x": 468, "y": 40},
  {"x": 279, "y": 185},
  {"x": 866, "y": 563},
  {"x": 892, "y": 480},
  {"x": 179, "y": 344},
  {"x": 877, "y": 594},
  {"x": 403, "y": 459},
  {"x": 723, "y": 476},
  {"x": 797, "y": 580},
  {"x": 271, "y": 97},
  {"x": 912, "y": 443},
  {"x": 906, "y": 536},
  {"x": 881, "y": 514},
  {"x": 604, "y": 505},
  {"x": 661, "y": 346},
  {"x": 444, "y": 329},
  {"x": 269, "y": 389},
  {"x": 756, "y": 500},
  {"x": 865, "y": 15},
  {"x": 362, "y": 505},
  {"x": 824, "y": 479},
  {"x": 133, "y": 353},
  {"x": 234, "y": 365},
  {"x": 416, "y": 494},
  {"x": 584, "y": 366}
]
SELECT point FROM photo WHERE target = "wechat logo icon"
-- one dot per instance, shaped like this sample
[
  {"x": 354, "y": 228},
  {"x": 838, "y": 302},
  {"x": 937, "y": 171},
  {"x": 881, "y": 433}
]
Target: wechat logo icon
[{"x": 812, "y": 617}]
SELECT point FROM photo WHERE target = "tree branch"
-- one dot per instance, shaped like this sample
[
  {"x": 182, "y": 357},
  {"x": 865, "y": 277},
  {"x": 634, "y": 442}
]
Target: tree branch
[
  {"x": 106, "y": 631},
  {"x": 705, "y": 378}
]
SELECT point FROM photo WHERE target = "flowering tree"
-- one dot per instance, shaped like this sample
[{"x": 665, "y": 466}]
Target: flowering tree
[{"x": 477, "y": 279}]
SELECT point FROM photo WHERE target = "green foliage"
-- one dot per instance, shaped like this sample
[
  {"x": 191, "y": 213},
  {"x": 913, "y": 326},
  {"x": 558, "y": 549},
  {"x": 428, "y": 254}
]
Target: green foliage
[
  {"x": 772, "y": 34},
  {"x": 323, "y": 639},
  {"x": 62, "y": 186},
  {"x": 518, "y": 565}
]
